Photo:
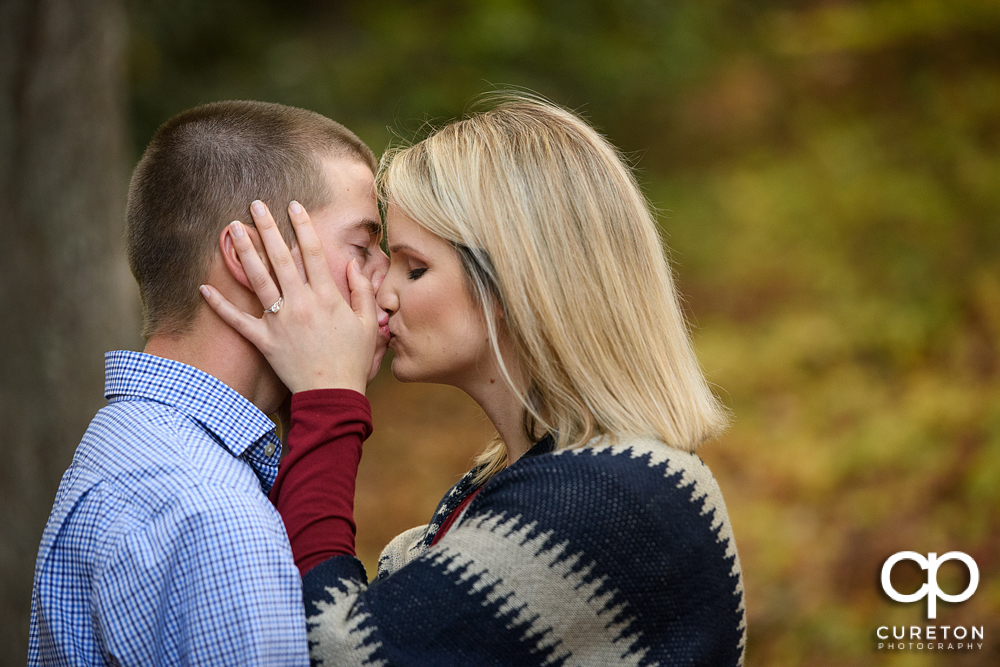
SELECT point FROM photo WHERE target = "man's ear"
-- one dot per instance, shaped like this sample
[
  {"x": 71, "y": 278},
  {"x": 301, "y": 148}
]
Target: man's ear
[{"x": 232, "y": 258}]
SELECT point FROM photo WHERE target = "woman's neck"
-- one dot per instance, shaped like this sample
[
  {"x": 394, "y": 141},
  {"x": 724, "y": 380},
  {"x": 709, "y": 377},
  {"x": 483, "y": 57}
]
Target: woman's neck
[
  {"x": 505, "y": 410},
  {"x": 502, "y": 404}
]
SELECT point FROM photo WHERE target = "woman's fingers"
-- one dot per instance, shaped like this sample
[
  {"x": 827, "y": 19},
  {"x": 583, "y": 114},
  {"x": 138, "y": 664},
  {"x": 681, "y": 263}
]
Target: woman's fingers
[
  {"x": 253, "y": 266},
  {"x": 318, "y": 339},
  {"x": 311, "y": 248},
  {"x": 289, "y": 281},
  {"x": 249, "y": 327}
]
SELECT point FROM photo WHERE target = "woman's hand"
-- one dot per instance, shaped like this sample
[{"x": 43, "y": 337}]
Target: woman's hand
[{"x": 310, "y": 335}]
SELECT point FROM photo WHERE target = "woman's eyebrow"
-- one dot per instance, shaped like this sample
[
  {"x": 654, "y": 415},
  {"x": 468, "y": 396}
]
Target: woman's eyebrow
[{"x": 402, "y": 246}]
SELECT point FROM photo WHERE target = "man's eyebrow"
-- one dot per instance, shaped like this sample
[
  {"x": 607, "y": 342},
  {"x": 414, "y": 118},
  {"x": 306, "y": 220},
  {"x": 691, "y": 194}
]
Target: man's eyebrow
[{"x": 370, "y": 226}]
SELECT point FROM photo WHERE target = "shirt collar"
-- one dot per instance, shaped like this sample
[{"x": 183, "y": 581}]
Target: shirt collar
[{"x": 236, "y": 422}]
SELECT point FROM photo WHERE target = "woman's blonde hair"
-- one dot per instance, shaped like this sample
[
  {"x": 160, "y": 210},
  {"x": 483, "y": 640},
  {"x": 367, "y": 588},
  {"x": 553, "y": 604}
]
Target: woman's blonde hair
[{"x": 551, "y": 226}]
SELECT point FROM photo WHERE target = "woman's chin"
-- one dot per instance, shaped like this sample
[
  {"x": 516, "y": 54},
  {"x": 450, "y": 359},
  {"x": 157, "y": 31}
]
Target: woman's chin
[
  {"x": 401, "y": 372},
  {"x": 409, "y": 372}
]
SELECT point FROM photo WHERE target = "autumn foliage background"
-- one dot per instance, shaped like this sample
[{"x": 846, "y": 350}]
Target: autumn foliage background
[{"x": 827, "y": 177}]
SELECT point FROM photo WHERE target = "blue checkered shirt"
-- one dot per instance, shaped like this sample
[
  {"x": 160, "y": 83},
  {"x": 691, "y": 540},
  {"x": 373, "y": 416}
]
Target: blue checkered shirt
[{"x": 162, "y": 547}]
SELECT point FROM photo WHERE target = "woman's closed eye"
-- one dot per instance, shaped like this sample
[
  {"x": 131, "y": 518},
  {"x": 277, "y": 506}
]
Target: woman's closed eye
[{"x": 413, "y": 274}]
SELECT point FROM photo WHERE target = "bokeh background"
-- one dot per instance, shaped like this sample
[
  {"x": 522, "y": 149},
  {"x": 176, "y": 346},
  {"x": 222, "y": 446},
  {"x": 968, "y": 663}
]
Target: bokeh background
[{"x": 827, "y": 177}]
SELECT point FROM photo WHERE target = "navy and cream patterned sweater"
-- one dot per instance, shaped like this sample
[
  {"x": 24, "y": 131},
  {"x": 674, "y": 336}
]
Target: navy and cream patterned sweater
[{"x": 604, "y": 555}]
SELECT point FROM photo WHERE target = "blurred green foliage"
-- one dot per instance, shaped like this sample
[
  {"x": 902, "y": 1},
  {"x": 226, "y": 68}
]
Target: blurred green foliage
[{"x": 828, "y": 180}]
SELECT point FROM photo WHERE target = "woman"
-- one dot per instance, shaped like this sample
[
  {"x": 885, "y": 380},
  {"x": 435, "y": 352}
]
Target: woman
[{"x": 526, "y": 270}]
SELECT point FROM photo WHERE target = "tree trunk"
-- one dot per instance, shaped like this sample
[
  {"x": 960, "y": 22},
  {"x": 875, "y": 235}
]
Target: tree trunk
[{"x": 66, "y": 295}]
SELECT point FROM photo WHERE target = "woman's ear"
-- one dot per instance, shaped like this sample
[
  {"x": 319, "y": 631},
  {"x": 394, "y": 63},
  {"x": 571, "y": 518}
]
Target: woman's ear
[
  {"x": 232, "y": 259},
  {"x": 499, "y": 312}
]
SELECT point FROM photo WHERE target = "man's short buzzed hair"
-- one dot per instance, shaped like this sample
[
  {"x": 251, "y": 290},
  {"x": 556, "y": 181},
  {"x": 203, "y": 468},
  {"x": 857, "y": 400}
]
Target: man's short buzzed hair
[{"x": 200, "y": 172}]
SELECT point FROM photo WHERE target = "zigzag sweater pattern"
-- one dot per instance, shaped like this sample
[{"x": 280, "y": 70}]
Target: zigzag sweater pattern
[{"x": 611, "y": 554}]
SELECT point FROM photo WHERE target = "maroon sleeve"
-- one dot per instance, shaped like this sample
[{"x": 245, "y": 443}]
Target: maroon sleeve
[{"x": 314, "y": 490}]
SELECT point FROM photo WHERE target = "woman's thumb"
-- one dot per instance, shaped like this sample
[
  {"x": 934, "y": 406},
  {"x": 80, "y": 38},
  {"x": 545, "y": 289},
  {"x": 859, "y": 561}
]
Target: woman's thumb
[{"x": 362, "y": 294}]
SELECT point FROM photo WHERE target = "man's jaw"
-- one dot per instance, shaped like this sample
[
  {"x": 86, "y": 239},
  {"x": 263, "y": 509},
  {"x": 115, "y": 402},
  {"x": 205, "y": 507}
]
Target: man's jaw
[{"x": 381, "y": 347}]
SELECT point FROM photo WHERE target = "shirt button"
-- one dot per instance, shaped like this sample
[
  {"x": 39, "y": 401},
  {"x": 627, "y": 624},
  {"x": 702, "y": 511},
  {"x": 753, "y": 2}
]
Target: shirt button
[{"x": 269, "y": 449}]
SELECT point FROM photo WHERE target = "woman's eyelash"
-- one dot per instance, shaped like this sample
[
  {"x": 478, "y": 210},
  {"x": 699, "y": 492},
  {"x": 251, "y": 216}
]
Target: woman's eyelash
[{"x": 415, "y": 273}]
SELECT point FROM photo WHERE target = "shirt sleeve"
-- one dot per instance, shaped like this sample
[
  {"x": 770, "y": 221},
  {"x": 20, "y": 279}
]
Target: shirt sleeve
[
  {"x": 314, "y": 490},
  {"x": 209, "y": 579}
]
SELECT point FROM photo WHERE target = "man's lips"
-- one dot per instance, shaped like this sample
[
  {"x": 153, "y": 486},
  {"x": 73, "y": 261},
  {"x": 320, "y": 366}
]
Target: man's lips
[{"x": 383, "y": 325}]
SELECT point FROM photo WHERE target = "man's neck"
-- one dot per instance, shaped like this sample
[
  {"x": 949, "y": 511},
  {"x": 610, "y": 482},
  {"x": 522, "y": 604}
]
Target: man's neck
[{"x": 213, "y": 347}]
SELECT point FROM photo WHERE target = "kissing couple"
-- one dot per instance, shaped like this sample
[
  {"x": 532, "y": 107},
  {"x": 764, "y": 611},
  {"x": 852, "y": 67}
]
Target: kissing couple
[{"x": 525, "y": 268}]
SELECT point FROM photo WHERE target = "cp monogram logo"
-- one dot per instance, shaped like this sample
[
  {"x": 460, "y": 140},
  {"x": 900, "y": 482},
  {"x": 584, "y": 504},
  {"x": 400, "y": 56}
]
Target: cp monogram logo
[{"x": 930, "y": 590}]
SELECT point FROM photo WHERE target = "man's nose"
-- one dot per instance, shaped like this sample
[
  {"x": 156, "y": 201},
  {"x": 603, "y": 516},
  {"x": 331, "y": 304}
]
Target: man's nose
[{"x": 385, "y": 298}]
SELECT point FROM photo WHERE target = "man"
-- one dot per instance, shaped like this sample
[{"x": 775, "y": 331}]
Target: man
[{"x": 162, "y": 547}]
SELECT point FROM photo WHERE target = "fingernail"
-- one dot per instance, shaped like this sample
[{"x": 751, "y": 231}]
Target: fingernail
[
  {"x": 295, "y": 207},
  {"x": 257, "y": 207},
  {"x": 237, "y": 228},
  {"x": 204, "y": 291}
]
